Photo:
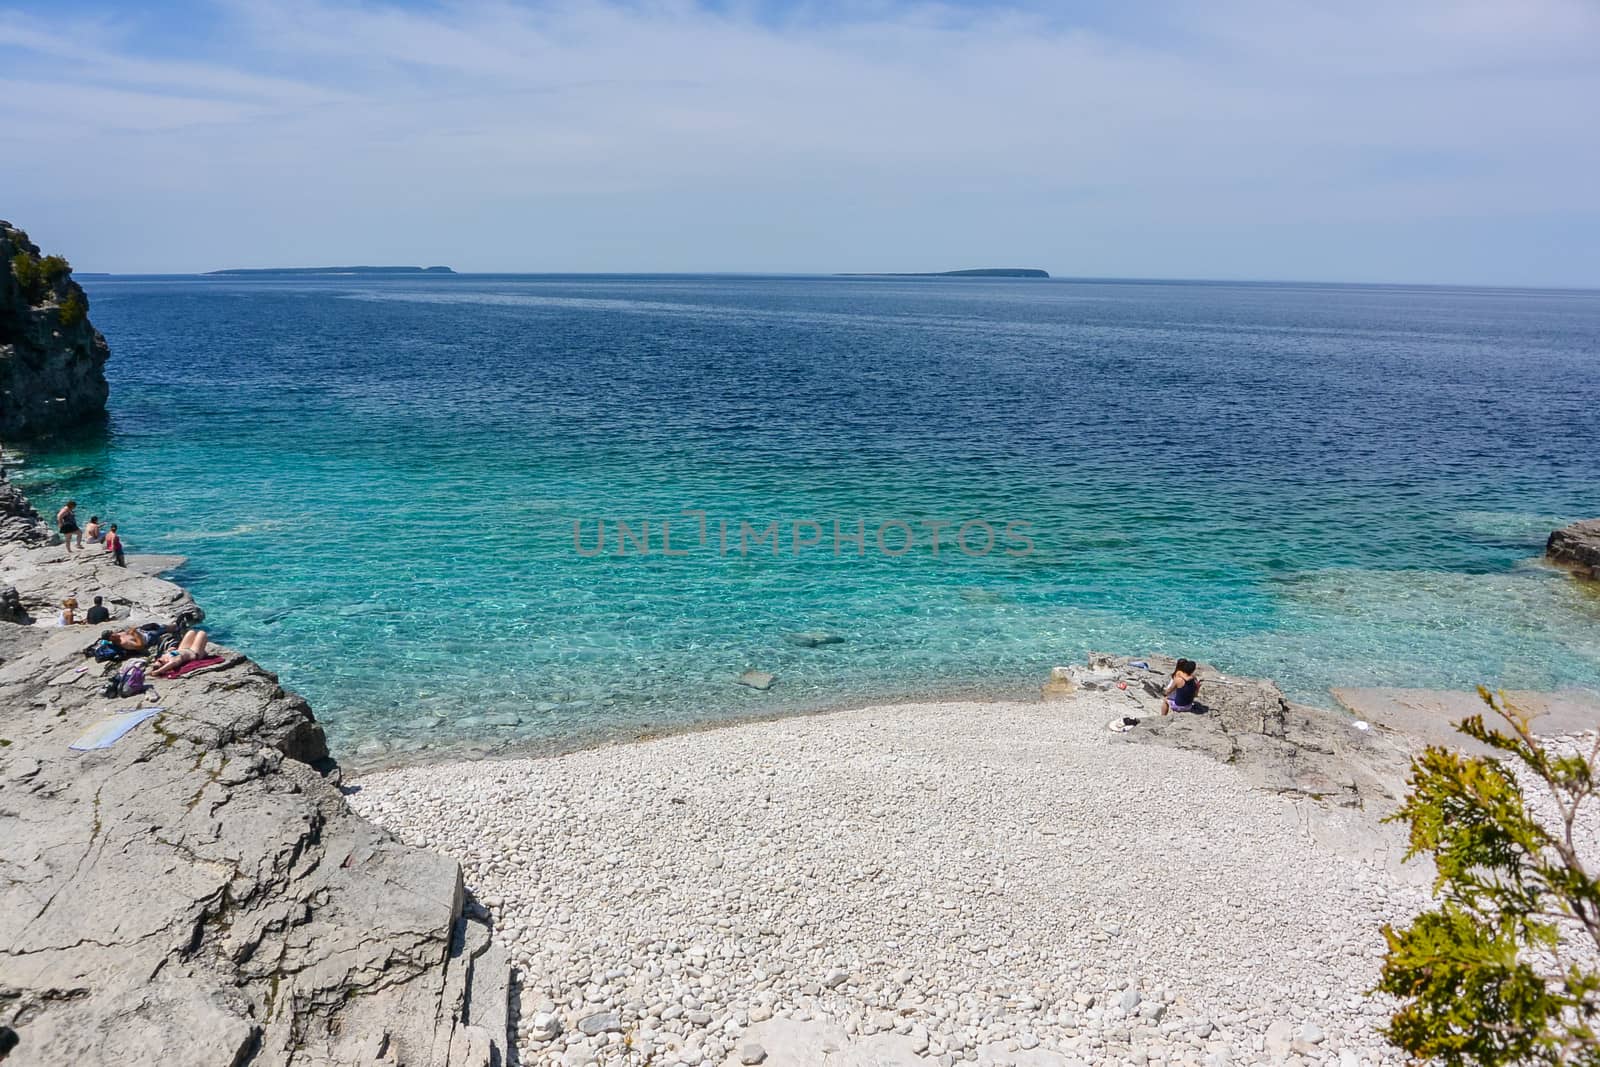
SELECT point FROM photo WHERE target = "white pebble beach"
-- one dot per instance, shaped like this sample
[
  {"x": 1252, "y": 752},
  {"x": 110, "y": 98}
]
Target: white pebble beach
[{"x": 1000, "y": 883}]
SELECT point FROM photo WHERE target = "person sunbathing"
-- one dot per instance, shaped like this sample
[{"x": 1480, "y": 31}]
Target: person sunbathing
[
  {"x": 132, "y": 639},
  {"x": 192, "y": 647},
  {"x": 1182, "y": 689}
]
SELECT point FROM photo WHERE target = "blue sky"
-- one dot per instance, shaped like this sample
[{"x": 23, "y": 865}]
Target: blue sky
[{"x": 1426, "y": 141}]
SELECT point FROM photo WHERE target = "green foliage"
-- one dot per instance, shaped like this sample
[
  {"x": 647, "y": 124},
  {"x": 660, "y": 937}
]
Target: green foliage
[
  {"x": 53, "y": 268},
  {"x": 73, "y": 310},
  {"x": 36, "y": 276},
  {"x": 25, "y": 269},
  {"x": 1492, "y": 974}
]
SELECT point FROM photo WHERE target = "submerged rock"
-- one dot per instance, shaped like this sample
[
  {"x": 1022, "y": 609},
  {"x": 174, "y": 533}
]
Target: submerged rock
[
  {"x": 52, "y": 360},
  {"x": 816, "y": 639},
  {"x": 758, "y": 680},
  {"x": 1577, "y": 547}
]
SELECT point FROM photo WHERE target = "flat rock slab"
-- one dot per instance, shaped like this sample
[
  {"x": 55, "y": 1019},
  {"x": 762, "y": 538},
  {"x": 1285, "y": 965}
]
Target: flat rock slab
[
  {"x": 1285, "y": 748},
  {"x": 154, "y": 565},
  {"x": 1428, "y": 716}
]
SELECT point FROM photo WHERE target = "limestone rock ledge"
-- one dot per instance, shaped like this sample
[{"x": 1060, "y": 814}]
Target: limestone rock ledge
[
  {"x": 200, "y": 892},
  {"x": 52, "y": 360},
  {"x": 1341, "y": 779},
  {"x": 1577, "y": 547}
]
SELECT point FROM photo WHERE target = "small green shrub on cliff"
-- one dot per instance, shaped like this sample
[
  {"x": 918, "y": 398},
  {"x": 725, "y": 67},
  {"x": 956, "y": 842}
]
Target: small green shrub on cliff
[
  {"x": 1502, "y": 970},
  {"x": 54, "y": 268},
  {"x": 25, "y": 269},
  {"x": 73, "y": 310},
  {"x": 36, "y": 276}
]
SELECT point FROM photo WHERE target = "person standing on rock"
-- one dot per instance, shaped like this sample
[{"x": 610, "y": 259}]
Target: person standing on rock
[
  {"x": 67, "y": 523},
  {"x": 114, "y": 545}
]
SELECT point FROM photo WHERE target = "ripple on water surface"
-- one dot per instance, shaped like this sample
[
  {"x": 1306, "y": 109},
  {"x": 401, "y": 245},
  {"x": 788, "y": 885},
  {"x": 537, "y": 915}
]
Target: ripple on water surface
[{"x": 376, "y": 482}]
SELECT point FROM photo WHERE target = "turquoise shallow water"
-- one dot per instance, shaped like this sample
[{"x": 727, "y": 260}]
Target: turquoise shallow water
[{"x": 376, "y": 483}]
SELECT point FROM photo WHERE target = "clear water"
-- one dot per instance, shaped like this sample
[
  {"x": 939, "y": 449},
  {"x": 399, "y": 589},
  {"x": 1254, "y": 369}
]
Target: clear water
[{"x": 376, "y": 480}]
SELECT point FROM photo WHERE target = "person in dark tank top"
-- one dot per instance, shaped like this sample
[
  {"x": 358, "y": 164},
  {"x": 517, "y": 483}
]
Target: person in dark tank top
[
  {"x": 98, "y": 613},
  {"x": 1182, "y": 689}
]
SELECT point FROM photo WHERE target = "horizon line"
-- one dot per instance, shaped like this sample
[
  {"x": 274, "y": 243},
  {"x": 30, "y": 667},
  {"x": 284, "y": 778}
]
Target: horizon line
[{"x": 843, "y": 276}]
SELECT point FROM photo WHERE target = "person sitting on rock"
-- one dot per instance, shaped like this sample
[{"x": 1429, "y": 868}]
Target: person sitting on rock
[
  {"x": 1182, "y": 689},
  {"x": 91, "y": 532},
  {"x": 68, "y": 616},
  {"x": 98, "y": 613},
  {"x": 192, "y": 647}
]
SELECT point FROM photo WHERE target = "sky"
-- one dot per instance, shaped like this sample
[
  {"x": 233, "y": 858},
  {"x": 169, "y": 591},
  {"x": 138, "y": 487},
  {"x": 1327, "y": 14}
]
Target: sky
[{"x": 1350, "y": 140}]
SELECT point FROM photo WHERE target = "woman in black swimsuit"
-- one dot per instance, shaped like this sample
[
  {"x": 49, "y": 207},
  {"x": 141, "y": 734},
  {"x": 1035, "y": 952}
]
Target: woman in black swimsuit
[{"x": 67, "y": 523}]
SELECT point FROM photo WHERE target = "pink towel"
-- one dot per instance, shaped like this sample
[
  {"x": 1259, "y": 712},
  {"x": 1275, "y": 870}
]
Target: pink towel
[{"x": 193, "y": 665}]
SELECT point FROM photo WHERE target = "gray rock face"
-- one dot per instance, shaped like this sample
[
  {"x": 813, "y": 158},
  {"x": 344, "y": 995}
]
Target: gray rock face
[
  {"x": 200, "y": 892},
  {"x": 1578, "y": 547},
  {"x": 19, "y": 522},
  {"x": 52, "y": 361}
]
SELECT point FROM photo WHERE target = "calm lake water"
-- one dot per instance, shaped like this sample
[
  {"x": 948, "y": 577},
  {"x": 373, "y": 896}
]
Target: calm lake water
[{"x": 376, "y": 481}]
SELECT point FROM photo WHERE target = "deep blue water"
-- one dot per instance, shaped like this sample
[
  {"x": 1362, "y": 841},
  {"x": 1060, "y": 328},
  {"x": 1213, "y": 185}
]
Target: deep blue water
[{"x": 376, "y": 483}]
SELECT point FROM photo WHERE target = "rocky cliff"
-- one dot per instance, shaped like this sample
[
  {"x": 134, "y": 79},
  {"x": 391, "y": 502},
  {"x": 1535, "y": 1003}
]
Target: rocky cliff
[
  {"x": 199, "y": 892},
  {"x": 52, "y": 361},
  {"x": 1577, "y": 547}
]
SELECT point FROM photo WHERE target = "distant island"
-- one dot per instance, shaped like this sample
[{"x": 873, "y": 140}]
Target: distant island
[
  {"x": 982, "y": 272},
  {"x": 332, "y": 270}
]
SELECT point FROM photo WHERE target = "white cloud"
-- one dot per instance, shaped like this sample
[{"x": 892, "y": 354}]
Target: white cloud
[{"x": 1225, "y": 140}]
